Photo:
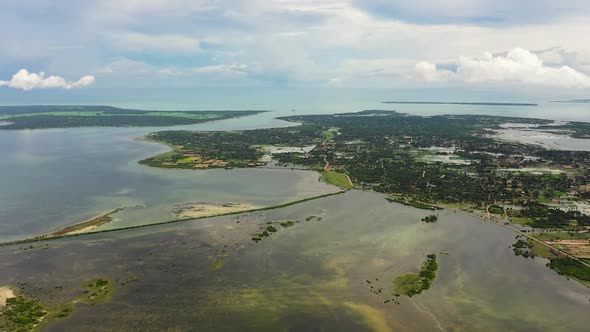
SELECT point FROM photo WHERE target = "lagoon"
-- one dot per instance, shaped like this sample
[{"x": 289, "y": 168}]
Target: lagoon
[
  {"x": 53, "y": 178},
  {"x": 209, "y": 275}
]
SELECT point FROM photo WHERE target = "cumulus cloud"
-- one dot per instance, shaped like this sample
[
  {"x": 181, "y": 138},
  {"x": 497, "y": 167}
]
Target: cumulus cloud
[
  {"x": 427, "y": 72},
  {"x": 518, "y": 65},
  {"x": 28, "y": 81}
]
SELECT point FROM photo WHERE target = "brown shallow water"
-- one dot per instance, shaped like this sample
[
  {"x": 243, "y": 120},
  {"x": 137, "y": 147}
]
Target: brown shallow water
[{"x": 308, "y": 277}]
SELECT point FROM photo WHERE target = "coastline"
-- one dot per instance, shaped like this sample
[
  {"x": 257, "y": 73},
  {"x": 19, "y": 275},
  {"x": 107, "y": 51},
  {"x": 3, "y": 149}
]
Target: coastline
[
  {"x": 61, "y": 235},
  {"x": 5, "y": 293}
]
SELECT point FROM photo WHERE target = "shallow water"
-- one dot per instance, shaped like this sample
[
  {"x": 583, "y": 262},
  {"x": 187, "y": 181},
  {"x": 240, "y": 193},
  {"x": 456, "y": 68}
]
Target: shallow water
[
  {"x": 311, "y": 276},
  {"x": 57, "y": 177},
  {"x": 545, "y": 139}
]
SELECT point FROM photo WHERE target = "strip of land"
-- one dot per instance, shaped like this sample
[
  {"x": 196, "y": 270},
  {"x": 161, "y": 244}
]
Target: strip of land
[
  {"x": 85, "y": 227},
  {"x": 205, "y": 209},
  {"x": 58, "y": 116},
  {"x": 458, "y": 103},
  {"x": 52, "y": 236}
]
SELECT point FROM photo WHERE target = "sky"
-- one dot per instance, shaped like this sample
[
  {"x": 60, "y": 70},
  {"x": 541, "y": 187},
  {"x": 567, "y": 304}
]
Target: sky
[{"x": 525, "y": 47}]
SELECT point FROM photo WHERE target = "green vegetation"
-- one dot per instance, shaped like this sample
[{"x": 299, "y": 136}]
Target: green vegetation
[
  {"x": 32, "y": 247},
  {"x": 412, "y": 203},
  {"x": 337, "y": 179},
  {"x": 430, "y": 219},
  {"x": 237, "y": 149},
  {"x": 523, "y": 247},
  {"x": 570, "y": 267},
  {"x": 286, "y": 224},
  {"x": 217, "y": 265},
  {"x": 562, "y": 236},
  {"x": 36, "y": 117},
  {"x": 543, "y": 216},
  {"x": 97, "y": 291},
  {"x": 495, "y": 209},
  {"x": 22, "y": 314},
  {"x": 411, "y": 284}
]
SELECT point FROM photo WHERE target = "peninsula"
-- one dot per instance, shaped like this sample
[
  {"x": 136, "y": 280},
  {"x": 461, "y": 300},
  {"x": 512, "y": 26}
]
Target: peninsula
[{"x": 57, "y": 116}]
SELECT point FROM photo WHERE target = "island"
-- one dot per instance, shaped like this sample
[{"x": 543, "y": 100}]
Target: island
[
  {"x": 58, "y": 116},
  {"x": 411, "y": 284},
  {"x": 458, "y": 103}
]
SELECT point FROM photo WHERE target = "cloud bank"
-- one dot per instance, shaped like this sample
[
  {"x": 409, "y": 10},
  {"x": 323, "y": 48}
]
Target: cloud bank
[
  {"x": 517, "y": 66},
  {"x": 29, "y": 81},
  {"x": 348, "y": 43}
]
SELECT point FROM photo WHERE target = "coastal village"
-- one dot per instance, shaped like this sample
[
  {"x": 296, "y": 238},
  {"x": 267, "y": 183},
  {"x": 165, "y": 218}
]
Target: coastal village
[{"x": 459, "y": 164}]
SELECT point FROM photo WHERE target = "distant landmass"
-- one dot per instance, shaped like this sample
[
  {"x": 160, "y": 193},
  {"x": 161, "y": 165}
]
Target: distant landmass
[
  {"x": 575, "y": 101},
  {"x": 458, "y": 103},
  {"x": 66, "y": 116}
]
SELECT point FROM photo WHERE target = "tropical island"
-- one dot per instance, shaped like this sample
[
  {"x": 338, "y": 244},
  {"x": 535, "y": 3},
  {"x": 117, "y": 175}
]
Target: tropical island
[
  {"x": 447, "y": 161},
  {"x": 38, "y": 117}
]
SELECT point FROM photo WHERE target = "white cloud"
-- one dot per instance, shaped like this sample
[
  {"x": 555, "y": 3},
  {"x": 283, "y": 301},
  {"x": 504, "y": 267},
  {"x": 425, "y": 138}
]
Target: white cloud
[
  {"x": 141, "y": 42},
  {"x": 28, "y": 81},
  {"x": 517, "y": 66},
  {"x": 286, "y": 42},
  {"x": 125, "y": 72},
  {"x": 427, "y": 72},
  {"x": 335, "y": 82}
]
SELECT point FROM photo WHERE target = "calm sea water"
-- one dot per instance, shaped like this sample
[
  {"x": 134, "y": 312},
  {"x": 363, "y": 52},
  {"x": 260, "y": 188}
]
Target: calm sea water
[{"x": 57, "y": 177}]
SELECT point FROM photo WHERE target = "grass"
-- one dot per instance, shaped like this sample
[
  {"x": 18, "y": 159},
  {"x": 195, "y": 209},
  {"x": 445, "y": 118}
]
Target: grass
[
  {"x": 412, "y": 203},
  {"x": 571, "y": 268},
  {"x": 521, "y": 221},
  {"x": 407, "y": 283},
  {"x": 541, "y": 250},
  {"x": 561, "y": 236},
  {"x": 286, "y": 224},
  {"x": 329, "y": 134},
  {"x": 411, "y": 284},
  {"x": 217, "y": 265},
  {"x": 97, "y": 291},
  {"x": 337, "y": 179}
]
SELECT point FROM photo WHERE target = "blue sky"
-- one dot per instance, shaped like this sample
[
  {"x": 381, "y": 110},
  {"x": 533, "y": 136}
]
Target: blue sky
[{"x": 531, "y": 47}]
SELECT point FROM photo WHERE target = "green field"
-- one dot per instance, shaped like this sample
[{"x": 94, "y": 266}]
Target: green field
[
  {"x": 337, "y": 179},
  {"x": 561, "y": 236}
]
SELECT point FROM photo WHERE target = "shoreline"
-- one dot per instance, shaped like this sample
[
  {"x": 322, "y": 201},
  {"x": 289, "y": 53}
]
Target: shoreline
[
  {"x": 5, "y": 293},
  {"x": 55, "y": 236},
  {"x": 509, "y": 226}
]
